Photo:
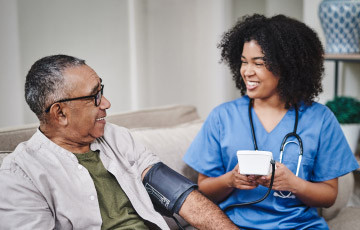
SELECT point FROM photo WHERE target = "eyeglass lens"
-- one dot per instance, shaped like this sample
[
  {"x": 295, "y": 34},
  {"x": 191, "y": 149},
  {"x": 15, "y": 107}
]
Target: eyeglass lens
[{"x": 99, "y": 96}]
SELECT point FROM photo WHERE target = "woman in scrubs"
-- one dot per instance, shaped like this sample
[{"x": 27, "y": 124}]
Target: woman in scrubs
[{"x": 277, "y": 64}]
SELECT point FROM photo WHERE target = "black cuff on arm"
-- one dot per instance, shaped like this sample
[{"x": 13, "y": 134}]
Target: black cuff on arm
[{"x": 167, "y": 188}]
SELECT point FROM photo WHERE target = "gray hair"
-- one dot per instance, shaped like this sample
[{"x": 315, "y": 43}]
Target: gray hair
[{"x": 45, "y": 82}]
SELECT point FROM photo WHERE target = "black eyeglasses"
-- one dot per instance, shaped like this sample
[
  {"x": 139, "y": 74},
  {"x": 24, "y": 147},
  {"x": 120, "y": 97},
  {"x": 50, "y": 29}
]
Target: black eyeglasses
[{"x": 97, "y": 98}]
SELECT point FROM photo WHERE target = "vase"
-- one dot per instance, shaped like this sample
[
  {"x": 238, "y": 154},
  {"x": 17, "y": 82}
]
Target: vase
[
  {"x": 340, "y": 21},
  {"x": 352, "y": 133}
]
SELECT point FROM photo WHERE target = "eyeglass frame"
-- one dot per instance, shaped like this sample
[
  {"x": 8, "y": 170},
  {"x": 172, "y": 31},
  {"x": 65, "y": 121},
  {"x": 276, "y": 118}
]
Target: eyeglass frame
[{"x": 101, "y": 91}]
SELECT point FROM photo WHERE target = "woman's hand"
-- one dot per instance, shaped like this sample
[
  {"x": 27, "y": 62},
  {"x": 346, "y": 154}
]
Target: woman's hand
[
  {"x": 314, "y": 194},
  {"x": 218, "y": 188},
  {"x": 240, "y": 181},
  {"x": 284, "y": 179}
]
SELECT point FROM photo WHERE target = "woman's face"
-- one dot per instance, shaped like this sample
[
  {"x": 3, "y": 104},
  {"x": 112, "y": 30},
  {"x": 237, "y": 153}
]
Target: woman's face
[{"x": 260, "y": 82}]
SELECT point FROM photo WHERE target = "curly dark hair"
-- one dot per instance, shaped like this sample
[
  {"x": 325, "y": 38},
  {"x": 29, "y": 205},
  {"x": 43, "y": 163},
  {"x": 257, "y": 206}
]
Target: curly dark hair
[{"x": 292, "y": 51}]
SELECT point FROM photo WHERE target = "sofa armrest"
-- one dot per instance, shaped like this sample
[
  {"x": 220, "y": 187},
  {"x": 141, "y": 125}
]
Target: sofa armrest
[{"x": 345, "y": 190}]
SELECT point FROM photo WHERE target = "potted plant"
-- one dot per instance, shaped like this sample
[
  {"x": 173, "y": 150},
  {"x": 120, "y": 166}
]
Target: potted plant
[{"x": 347, "y": 112}]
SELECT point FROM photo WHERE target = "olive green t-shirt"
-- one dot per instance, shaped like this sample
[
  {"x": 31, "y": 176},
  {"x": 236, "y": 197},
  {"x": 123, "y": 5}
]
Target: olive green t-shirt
[{"x": 116, "y": 209}]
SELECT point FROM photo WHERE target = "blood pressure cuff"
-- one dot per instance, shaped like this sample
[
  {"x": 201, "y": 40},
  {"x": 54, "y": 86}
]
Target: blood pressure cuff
[{"x": 167, "y": 188}]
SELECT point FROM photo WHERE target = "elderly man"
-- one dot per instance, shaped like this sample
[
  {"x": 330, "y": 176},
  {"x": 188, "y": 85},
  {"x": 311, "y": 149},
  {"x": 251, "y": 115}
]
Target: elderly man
[{"x": 76, "y": 171}]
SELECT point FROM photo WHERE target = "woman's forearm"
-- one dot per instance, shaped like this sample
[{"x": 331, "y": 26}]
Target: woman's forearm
[
  {"x": 317, "y": 194},
  {"x": 215, "y": 188}
]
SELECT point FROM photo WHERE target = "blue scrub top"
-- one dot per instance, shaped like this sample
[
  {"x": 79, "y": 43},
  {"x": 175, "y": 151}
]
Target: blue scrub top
[{"x": 326, "y": 155}]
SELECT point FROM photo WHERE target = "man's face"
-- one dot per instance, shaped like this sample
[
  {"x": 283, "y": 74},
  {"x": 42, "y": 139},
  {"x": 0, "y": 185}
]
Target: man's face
[{"x": 85, "y": 121}]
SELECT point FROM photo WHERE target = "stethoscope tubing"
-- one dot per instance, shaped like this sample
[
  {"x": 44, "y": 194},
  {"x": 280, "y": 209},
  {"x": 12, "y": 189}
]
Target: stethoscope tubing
[
  {"x": 261, "y": 199},
  {"x": 283, "y": 143}
]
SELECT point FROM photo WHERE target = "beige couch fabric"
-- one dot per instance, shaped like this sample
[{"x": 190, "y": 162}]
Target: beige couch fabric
[
  {"x": 157, "y": 117},
  {"x": 11, "y": 137},
  {"x": 171, "y": 143}
]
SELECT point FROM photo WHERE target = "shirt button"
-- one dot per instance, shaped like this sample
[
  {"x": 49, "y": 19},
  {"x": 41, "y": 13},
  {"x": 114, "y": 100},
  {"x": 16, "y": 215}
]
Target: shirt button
[
  {"x": 92, "y": 197},
  {"x": 80, "y": 166}
]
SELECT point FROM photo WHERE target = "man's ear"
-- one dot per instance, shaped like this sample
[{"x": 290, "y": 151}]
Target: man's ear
[{"x": 58, "y": 114}]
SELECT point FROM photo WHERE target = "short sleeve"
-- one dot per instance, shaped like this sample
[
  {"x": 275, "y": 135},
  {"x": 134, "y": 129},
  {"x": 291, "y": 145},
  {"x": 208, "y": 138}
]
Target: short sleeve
[
  {"x": 204, "y": 153},
  {"x": 142, "y": 155},
  {"x": 134, "y": 152},
  {"x": 334, "y": 157}
]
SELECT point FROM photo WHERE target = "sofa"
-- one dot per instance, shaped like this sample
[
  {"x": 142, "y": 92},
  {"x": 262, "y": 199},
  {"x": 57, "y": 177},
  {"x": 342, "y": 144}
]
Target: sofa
[{"x": 168, "y": 131}]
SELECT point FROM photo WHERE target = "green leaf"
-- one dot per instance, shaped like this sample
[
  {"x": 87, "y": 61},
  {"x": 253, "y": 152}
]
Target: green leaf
[{"x": 346, "y": 109}]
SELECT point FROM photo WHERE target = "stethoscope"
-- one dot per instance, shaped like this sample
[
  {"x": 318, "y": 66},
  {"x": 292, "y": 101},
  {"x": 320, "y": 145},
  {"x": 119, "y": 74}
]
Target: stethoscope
[
  {"x": 283, "y": 145},
  {"x": 282, "y": 148}
]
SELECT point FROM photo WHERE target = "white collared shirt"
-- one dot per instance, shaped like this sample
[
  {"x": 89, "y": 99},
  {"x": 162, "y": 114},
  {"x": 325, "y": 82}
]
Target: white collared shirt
[{"x": 44, "y": 187}]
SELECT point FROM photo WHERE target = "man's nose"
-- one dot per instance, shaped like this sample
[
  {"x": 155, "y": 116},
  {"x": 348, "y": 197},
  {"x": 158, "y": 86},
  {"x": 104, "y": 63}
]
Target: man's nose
[{"x": 105, "y": 103}]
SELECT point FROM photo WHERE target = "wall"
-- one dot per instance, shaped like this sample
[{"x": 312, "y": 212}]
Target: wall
[
  {"x": 182, "y": 64},
  {"x": 94, "y": 30},
  {"x": 292, "y": 8},
  {"x": 11, "y": 87}
]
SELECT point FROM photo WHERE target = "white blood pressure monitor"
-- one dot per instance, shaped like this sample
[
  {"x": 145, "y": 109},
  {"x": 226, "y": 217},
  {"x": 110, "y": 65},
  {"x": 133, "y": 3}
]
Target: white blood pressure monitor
[{"x": 254, "y": 162}]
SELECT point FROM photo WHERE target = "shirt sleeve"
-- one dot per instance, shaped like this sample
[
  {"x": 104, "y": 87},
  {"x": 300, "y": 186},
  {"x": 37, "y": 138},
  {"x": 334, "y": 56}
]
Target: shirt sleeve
[
  {"x": 138, "y": 155},
  {"x": 204, "y": 153},
  {"x": 334, "y": 156},
  {"x": 21, "y": 205},
  {"x": 145, "y": 156}
]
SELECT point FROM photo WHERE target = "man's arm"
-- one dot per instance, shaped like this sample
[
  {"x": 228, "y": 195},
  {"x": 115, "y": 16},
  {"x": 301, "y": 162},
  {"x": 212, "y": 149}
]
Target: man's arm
[
  {"x": 21, "y": 205},
  {"x": 195, "y": 208},
  {"x": 201, "y": 213}
]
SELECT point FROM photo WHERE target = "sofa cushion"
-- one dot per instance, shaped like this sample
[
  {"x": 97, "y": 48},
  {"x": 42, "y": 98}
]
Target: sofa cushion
[
  {"x": 348, "y": 219},
  {"x": 156, "y": 117},
  {"x": 11, "y": 137},
  {"x": 170, "y": 144},
  {"x": 345, "y": 190}
]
